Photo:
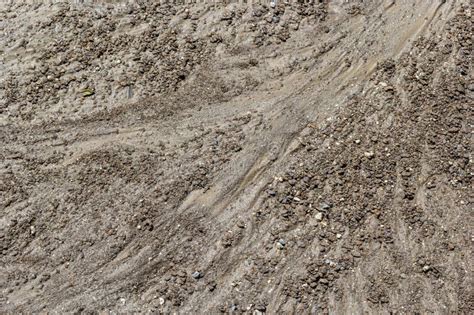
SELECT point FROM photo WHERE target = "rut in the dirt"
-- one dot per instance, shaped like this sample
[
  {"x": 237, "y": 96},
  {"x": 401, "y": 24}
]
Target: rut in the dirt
[{"x": 311, "y": 158}]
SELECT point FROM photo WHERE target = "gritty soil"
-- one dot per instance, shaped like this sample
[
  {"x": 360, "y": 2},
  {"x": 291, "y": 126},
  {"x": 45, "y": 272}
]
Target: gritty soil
[{"x": 232, "y": 158}]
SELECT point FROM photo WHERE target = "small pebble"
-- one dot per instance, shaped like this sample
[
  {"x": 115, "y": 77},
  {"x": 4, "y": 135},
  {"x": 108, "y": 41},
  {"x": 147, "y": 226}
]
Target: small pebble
[
  {"x": 196, "y": 275},
  {"x": 369, "y": 154},
  {"x": 324, "y": 206},
  {"x": 281, "y": 244}
]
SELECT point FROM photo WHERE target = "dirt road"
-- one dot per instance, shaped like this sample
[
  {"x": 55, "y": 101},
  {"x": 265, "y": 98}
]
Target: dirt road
[{"x": 201, "y": 159}]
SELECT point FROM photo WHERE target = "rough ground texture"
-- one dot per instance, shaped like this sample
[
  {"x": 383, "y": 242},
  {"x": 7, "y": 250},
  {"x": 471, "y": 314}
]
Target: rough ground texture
[{"x": 302, "y": 158}]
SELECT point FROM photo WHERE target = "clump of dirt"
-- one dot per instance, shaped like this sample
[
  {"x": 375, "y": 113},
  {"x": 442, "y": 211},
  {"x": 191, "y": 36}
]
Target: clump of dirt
[{"x": 236, "y": 158}]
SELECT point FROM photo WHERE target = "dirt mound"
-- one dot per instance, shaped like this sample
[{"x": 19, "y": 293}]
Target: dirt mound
[{"x": 237, "y": 158}]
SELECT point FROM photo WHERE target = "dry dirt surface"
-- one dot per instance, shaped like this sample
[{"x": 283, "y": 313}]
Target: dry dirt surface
[{"x": 310, "y": 158}]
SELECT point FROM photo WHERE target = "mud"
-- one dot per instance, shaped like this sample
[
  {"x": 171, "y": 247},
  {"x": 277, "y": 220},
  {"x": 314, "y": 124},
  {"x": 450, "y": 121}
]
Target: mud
[{"x": 234, "y": 158}]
